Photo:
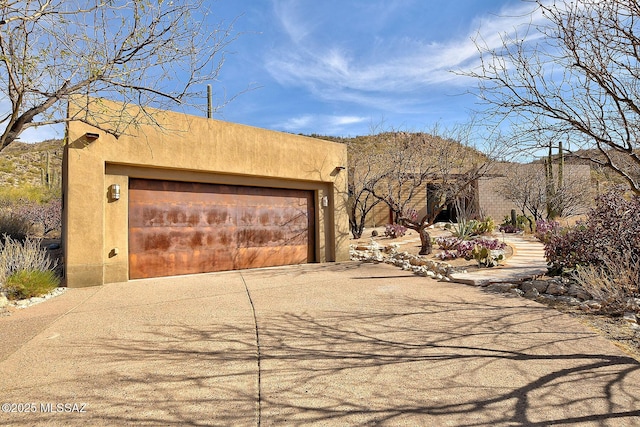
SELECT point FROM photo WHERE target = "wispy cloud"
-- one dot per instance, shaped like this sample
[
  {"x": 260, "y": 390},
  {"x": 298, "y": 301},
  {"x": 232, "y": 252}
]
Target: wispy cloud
[
  {"x": 398, "y": 66},
  {"x": 329, "y": 124}
]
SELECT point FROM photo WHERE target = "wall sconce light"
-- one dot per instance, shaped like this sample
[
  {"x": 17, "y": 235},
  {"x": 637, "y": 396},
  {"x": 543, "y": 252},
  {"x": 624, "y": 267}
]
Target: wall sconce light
[
  {"x": 325, "y": 201},
  {"x": 114, "y": 192},
  {"x": 92, "y": 136}
]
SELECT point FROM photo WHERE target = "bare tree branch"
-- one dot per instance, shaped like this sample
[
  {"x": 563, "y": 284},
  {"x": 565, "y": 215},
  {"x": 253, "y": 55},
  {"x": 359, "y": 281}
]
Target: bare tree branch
[
  {"x": 144, "y": 52},
  {"x": 577, "y": 75}
]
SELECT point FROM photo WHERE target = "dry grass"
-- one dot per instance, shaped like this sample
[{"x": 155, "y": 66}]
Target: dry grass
[
  {"x": 23, "y": 256},
  {"x": 613, "y": 283}
]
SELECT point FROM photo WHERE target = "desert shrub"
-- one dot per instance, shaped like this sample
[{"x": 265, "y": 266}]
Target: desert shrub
[
  {"x": 508, "y": 228},
  {"x": 485, "y": 226},
  {"x": 14, "y": 226},
  {"x": 22, "y": 256},
  {"x": 30, "y": 283},
  {"x": 447, "y": 243},
  {"x": 463, "y": 229},
  {"x": 486, "y": 257},
  {"x": 30, "y": 193},
  {"x": 394, "y": 230},
  {"x": 522, "y": 222},
  {"x": 612, "y": 224},
  {"x": 47, "y": 215},
  {"x": 447, "y": 255},
  {"x": 487, "y": 252},
  {"x": 464, "y": 249},
  {"x": 614, "y": 283},
  {"x": 546, "y": 228}
]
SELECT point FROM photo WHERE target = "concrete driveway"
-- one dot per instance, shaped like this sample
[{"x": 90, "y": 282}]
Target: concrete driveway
[{"x": 344, "y": 344}]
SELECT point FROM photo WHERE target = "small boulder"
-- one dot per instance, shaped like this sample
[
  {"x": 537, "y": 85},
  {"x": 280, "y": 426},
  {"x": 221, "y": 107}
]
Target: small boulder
[
  {"x": 420, "y": 261},
  {"x": 516, "y": 291},
  {"x": 568, "y": 300},
  {"x": 633, "y": 304},
  {"x": 531, "y": 293},
  {"x": 501, "y": 287},
  {"x": 3, "y": 300},
  {"x": 539, "y": 285},
  {"x": 591, "y": 305},
  {"x": 556, "y": 289},
  {"x": 578, "y": 291}
]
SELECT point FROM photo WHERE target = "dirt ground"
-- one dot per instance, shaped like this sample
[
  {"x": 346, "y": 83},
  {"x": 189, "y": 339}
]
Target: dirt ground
[
  {"x": 410, "y": 243},
  {"x": 616, "y": 329}
]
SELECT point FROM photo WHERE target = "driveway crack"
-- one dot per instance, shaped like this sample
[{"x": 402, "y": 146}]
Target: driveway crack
[{"x": 255, "y": 323}]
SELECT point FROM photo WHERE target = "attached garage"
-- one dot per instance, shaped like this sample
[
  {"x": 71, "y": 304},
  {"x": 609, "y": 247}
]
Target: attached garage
[
  {"x": 185, "y": 228},
  {"x": 184, "y": 195}
]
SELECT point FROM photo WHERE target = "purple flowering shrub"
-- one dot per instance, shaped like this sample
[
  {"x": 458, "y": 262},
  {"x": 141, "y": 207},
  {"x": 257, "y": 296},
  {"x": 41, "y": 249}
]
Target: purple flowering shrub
[
  {"x": 448, "y": 243},
  {"x": 509, "y": 228},
  {"x": 546, "y": 228},
  {"x": 612, "y": 225},
  {"x": 394, "y": 230},
  {"x": 47, "y": 215},
  {"x": 482, "y": 250}
]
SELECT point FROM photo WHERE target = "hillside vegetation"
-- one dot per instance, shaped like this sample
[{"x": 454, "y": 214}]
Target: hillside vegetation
[
  {"x": 31, "y": 171},
  {"x": 409, "y": 137}
]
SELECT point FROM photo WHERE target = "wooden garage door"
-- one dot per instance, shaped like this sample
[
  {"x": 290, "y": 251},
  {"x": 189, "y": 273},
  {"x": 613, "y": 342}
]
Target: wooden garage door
[{"x": 183, "y": 228}]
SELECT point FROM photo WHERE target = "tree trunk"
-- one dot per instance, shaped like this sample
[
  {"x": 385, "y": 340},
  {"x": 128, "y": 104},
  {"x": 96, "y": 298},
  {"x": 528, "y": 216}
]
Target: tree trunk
[
  {"x": 549, "y": 184},
  {"x": 357, "y": 229},
  {"x": 425, "y": 240}
]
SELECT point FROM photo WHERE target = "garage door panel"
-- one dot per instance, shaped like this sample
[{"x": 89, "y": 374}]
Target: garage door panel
[
  {"x": 272, "y": 236},
  {"x": 268, "y": 257},
  {"x": 151, "y": 239},
  {"x": 182, "y": 228},
  {"x": 179, "y": 263}
]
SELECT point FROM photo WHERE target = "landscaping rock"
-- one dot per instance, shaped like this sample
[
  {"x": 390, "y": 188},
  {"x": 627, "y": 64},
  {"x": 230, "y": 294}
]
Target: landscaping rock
[
  {"x": 3, "y": 300},
  {"x": 630, "y": 317},
  {"x": 539, "y": 285},
  {"x": 501, "y": 287},
  {"x": 419, "y": 261},
  {"x": 591, "y": 305},
  {"x": 568, "y": 300},
  {"x": 633, "y": 304},
  {"x": 532, "y": 293},
  {"x": 374, "y": 233},
  {"x": 556, "y": 289},
  {"x": 546, "y": 299},
  {"x": 516, "y": 291},
  {"x": 578, "y": 291},
  {"x": 390, "y": 255}
]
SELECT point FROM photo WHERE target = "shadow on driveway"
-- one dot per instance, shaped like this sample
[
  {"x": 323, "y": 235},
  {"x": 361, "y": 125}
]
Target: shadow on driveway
[{"x": 332, "y": 350}]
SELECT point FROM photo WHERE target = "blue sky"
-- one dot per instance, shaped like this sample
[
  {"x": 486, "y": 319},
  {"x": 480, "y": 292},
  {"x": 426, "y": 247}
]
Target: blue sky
[
  {"x": 342, "y": 67},
  {"x": 345, "y": 67}
]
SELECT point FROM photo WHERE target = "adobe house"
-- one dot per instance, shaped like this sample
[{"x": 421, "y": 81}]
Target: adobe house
[
  {"x": 194, "y": 195},
  {"x": 485, "y": 196}
]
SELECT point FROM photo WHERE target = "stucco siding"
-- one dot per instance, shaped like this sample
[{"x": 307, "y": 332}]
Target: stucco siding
[{"x": 191, "y": 149}]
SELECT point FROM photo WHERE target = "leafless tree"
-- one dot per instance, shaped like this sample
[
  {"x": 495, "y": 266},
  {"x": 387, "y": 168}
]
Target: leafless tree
[
  {"x": 364, "y": 172},
  {"x": 152, "y": 53},
  {"x": 525, "y": 186},
  {"x": 574, "y": 77},
  {"x": 409, "y": 161}
]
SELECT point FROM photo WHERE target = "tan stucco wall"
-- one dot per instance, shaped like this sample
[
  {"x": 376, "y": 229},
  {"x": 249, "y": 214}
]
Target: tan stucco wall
[
  {"x": 95, "y": 229},
  {"x": 490, "y": 188}
]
